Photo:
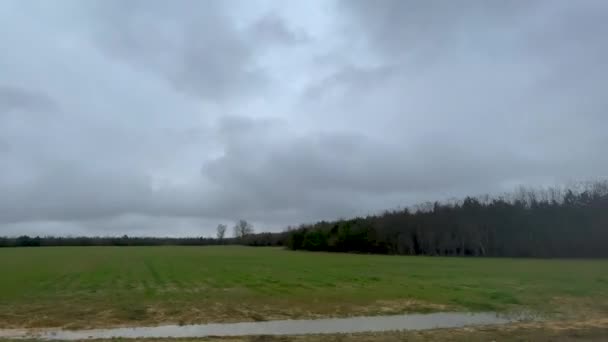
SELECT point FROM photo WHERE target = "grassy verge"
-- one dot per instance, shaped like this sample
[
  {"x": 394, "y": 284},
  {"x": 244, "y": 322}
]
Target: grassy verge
[{"x": 86, "y": 287}]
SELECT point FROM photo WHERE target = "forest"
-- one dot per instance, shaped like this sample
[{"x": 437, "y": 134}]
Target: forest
[{"x": 527, "y": 223}]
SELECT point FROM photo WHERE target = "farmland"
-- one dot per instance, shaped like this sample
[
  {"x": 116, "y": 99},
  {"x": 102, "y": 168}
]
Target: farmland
[{"x": 81, "y": 287}]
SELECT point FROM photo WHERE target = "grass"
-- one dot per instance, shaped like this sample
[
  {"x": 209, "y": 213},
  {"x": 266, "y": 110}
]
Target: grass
[{"x": 78, "y": 287}]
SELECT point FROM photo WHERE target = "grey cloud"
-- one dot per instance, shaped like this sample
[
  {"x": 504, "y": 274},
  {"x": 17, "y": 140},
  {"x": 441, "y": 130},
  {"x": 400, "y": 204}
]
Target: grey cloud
[
  {"x": 13, "y": 98},
  {"x": 273, "y": 29},
  {"x": 405, "y": 28},
  {"x": 508, "y": 69},
  {"x": 170, "y": 118},
  {"x": 302, "y": 179},
  {"x": 330, "y": 174},
  {"x": 562, "y": 33},
  {"x": 350, "y": 81},
  {"x": 68, "y": 192},
  {"x": 193, "y": 45}
]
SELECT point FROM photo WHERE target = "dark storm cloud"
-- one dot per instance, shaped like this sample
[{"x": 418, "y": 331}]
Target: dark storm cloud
[{"x": 168, "y": 118}]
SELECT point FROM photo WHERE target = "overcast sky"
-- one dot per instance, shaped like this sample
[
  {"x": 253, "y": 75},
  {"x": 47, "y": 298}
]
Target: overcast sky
[{"x": 169, "y": 117}]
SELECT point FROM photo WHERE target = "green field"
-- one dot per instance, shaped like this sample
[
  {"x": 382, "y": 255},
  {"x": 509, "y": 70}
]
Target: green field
[{"x": 79, "y": 287}]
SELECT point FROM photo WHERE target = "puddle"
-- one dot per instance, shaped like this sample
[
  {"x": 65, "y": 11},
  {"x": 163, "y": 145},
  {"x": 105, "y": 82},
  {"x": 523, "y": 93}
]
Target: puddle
[{"x": 285, "y": 327}]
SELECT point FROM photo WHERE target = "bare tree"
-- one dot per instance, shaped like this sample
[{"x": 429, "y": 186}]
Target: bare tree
[
  {"x": 221, "y": 231},
  {"x": 242, "y": 229}
]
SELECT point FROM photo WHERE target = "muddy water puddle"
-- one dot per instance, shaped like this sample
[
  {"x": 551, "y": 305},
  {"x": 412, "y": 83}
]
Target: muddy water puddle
[{"x": 283, "y": 327}]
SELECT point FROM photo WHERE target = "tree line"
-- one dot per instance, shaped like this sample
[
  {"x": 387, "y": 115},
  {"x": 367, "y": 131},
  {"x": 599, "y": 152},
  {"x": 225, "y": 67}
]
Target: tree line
[
  {"x": 38, "y": 241},
  {"x": 243, "y": 234},
  {"x": 527, "y": 223},
  {"x": 556, "y": 222}
]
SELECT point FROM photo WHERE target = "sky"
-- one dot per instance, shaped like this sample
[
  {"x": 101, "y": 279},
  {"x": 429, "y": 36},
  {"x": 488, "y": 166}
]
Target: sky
[{"x": 166, "y": 118}]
